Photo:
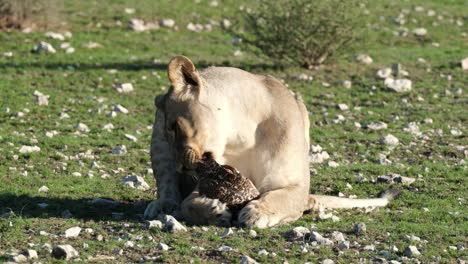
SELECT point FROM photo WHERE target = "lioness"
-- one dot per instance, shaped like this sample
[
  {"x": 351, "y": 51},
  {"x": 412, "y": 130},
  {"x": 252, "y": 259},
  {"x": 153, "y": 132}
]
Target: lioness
[{"x": 251, "y": 122}]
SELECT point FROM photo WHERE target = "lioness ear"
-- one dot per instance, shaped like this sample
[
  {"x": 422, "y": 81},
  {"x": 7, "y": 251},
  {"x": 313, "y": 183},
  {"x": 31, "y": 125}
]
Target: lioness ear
[{"x": 183, "y": 75}]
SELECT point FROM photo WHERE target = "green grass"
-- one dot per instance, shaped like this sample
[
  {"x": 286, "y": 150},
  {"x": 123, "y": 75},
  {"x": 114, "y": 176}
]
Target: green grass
[{"x": 434, "y": 161}]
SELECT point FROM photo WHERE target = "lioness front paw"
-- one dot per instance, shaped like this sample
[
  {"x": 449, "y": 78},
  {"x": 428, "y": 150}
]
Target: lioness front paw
[
  {"x": 161, "y": 206},
  {"x": 255, "y": 214},
  {"x": 206, "y": 211}
]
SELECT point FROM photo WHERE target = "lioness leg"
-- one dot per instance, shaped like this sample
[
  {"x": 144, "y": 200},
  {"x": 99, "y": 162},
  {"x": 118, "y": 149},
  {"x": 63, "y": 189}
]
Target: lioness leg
[
  {"x": 200, "y": 210},
  {"x": 164, "y": 169},
  {"x": 275, "y": 207}
]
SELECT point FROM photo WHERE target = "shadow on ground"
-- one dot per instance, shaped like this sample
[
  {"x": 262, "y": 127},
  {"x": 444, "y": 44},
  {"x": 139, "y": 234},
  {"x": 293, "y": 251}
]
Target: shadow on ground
[{"x": 27, "y": 206}]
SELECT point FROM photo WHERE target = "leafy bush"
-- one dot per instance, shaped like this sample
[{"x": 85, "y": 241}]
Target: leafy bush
[
  {"x": 24, "y": 13},
  {"x": 301, "y": 32}
]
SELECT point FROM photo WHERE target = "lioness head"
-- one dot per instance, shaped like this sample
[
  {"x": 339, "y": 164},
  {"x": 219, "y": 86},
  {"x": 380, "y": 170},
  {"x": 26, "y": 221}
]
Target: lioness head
[{"x": 190, "y": 121}]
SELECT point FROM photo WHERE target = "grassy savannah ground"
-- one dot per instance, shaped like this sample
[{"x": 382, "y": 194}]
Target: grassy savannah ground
[{"x": 79, "y": 84}]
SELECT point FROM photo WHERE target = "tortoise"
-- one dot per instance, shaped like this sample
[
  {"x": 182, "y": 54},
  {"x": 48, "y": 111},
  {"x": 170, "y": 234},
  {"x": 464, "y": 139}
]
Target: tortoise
[{"x": 224, "y": 183}]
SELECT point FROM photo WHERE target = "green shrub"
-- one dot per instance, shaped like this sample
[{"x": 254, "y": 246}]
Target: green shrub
[
  {"x": 26, "y": 13},
  {"x": 301, "y": 32}
]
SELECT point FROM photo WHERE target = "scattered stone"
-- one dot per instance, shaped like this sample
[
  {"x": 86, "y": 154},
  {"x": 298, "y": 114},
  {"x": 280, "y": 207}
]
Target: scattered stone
[
  {"x": 296, "y": 233},
  {"x": 124, "y": 88},
  {"x": 393, "y": 178},
  {"x": 317, "y": 156},
  {"x": 363, "y": 58},
  {"x": 82, "y": 128},
  {"x": 328, "y": 261},
  {"x": 172, "y": 225},
  {"x": 163, "y": 247},
  {"x": 413, "y": 128},
  {"x": 376, "y": 126},
  {"x": 108, "y": 127},
  {"x": 360, "y": 228},
  {"x": 8, "y": 54},
  {"x": 389, "y": 140},
  {"x": 384, "y": 73},
  {"x": 119, "y": 150},
  {"x": 343, "y": 107},
  {"x": 104, "y": 202},
  {"x": 225, "y": 248},
  {"x": 129, "y": 244},
  {"x": 41, "y": 99},
  {"x": 29, "y": 149},
  {"x": 139, "y": 25},
  {"x": 92, "y": 45},
  {"x": 338, "y": 236},
  {"x": 44, "y": 47},
  {"x": 131, "y": 138},
  {"x": 398, "y": 85},
  {"x": 412, "y": 238},
  {"x": 66, "y": 214},
  {"x": 347, "y": 84},
  {"x": 54, "y": 35},
  {"x": 252, "y": 233},
  {"x": 63, "y": 115},
  {"x": 43, "y": 189},
  {"x": 136, "y": 182},
  {"x": 64, "y": 252},
  {"x": 412, "y": 252},
  {"x": 154, "y": 224},
  {"x": 333, "y": 164},
  {"x": 314, "y": 236},
  {"x": 464, "y": 64},
  {"x": 248, "y": 260},
  {"x": 420, "y": 32},
  {"x": 30, "y": 254},
  {"x": 304, "y": 77},
  {"x": 167, "y": 23},
  {"x": 456, "y": 132},
  {"x": 72, "y": 232},
  {"x": 76, "y": 174},
  {"x": 195, "y": 27},
  {"x": 227, "y": 232},
  {"x": 344, "y": 245},
  {"x": 98, "y": 258},
  {"x": 369, "y": 247},
  {"x": 19, "y": 258},
  {"x": 263, "y": 252},
  {"x": 119, "y": 108}
]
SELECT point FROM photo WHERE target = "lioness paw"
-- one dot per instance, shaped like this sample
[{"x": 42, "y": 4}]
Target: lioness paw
[
  {"x": 161, "y": 206},
  {"x": 206, "y": 211},
  {"x": 255, "y": 214}
]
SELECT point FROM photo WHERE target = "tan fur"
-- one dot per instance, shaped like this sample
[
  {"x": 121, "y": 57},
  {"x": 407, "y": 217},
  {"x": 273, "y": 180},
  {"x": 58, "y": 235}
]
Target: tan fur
[{"x": 251, "y": 122}]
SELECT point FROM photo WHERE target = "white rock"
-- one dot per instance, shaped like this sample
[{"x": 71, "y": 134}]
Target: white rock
[
  {"x": 464, "y": 64},
  {"x": 108, "y": 127},
  {"x": 31, "y": 254},
  {"x": 119, "y": 150},
  {"x": 316, "y": 148},
  {"x": 225, "y": 248},
  {"x": 304, "y": 77},
  {"x": 370, "y": 247},
  {"x": 137, "y": 25},
  {"x": 44, "y": 47},
  {"x": 389, "y": 140},
  {"x": 29, "y": 149},
  {"x": 195, "y": 27},
  {"x": 154, "y": 224},
  {"x": 43, "y": 189},
  {"x": 55, "y": 35},
  {"x": 343, "y": 107},
  {"x": 82, "y": 127},
  {"x": 8, "y": 54},
  {"x": 412, "y": 238},
  {"x": 412, "y": 251},
  {"x": 384, "y": 73},
  {"x": 131, "y": 138},
  {"x": 398, "y": 85},
  {"x": 263, "y": 252},
  {"x": 344, "y": 245},
  {"x": 129, "y": 244},
  {"x": 92, "y": 45},
  {"x": 376, "y": 125},
  {"x": 413, "y": 128},
  {"x": 119, "y": 108},
  {"x": 51, "y": 134},
  {"x": 227, "y": 232},
  {"x": 76, "y": 174},
  {"x": 70, "y": 50},
  {"x": 129, "y": 10},
  {"x": 63, "y": 115},
  {"x": 137, "y": 182},
  {"x": 252, "y": 233},
  {"x": 125, "y": 88},
  {"x": 360, "y": 228},
  {"x": 338, "y": 236},
  {"x": 347, "y": 84},
  {"x": 296, "y": 233},
  {"x": 314, "y": 236},
  {"x": 248, "y": 260},
  {"x": 18, "y": 258},
  {"x": 72, "y": 231},
  {"x": 168, "y": 23},
  {"x": 456, "y": 132},
  {"x": 333, "y": 164},
  {"x": 420, "y": 32},
  {"x": 163, "y": 247},
  {"x": 64, "y": 252},
  {"x": 328, "y": 261},
  {"x": 393, "y": 249},
  {"x": 41, "y": 99},
  {"x": 225, "y": 23},
  {"x": 392, "y": 178},
  {"x": 363, "y": 58}
]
